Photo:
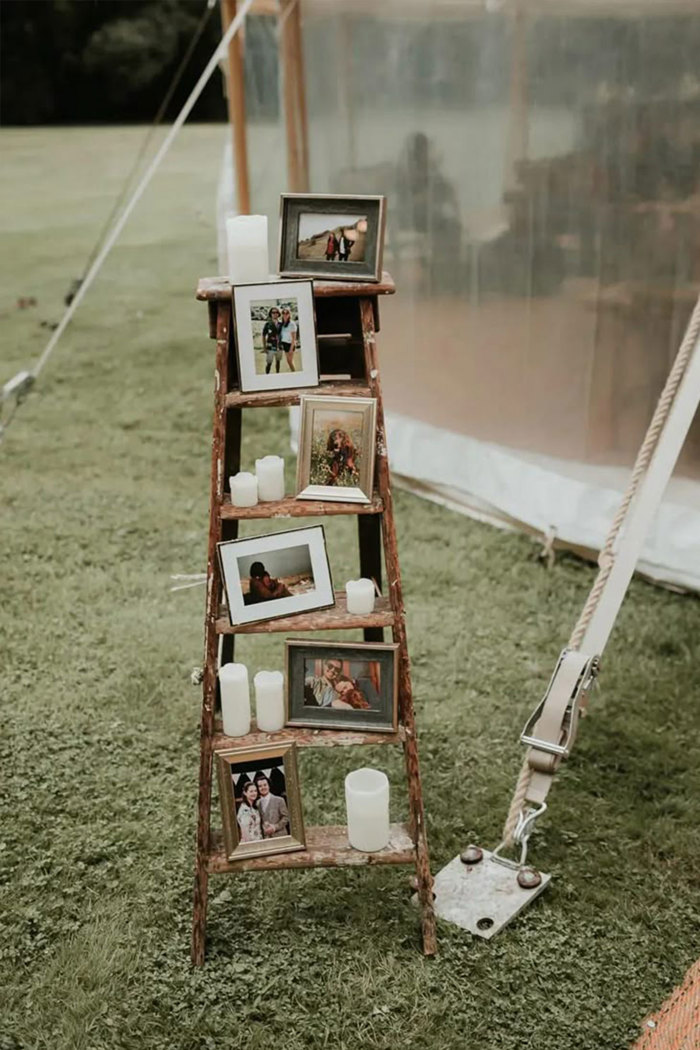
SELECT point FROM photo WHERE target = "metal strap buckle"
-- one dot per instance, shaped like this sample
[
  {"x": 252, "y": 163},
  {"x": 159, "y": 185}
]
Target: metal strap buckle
[
  {"x": 521, "y": 836},
  {"x": 574, "y": 673}
]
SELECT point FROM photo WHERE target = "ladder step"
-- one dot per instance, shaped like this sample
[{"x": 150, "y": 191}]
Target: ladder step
[
  {"x": 290, "y": 507},
  {"x": 305, "y": 737},
  {"x": 212, "y": 289},
  {"x": 326, "y": 847},
  {"x": 276, "y": 398},
  {"x": 335, "y": 619}
]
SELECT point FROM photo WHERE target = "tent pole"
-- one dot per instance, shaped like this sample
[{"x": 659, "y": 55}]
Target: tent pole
[
  {"x": 236, "y": 109},
  {"x": 303, "y": 127},
  {"x": 517, "y": 145},
  {"x": 288, "y": 62}
]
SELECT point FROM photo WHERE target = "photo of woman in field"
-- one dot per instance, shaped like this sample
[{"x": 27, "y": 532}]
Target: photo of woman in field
[{"x": 336, "y": 449}]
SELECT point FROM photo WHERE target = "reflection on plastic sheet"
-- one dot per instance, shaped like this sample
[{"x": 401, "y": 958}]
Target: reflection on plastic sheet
[{"x": 543, "y": 222}]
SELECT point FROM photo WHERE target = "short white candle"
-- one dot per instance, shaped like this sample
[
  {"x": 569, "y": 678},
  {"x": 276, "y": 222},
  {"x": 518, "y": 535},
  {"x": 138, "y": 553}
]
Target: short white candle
[
  {"x": 270, "y": 471},
  {"x": 235, "y": 699},
  {"x": 244, "y": 489},
  {"x": 269, "y": 700},
  {"x": 367, "y": 802},
  {"x": 246, "y": 240},
  {"x": 360, "y": 597}
]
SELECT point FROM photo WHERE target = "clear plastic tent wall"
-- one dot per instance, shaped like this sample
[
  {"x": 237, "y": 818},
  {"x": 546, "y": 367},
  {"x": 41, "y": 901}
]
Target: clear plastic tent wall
[{"x": 541, "y": 163}]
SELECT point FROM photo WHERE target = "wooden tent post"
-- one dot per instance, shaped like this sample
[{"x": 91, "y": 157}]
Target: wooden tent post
[
  {"x": 236, "y": 109},
  {"x": 294, "y": 96},
  {"x": 517, "y": 143}
]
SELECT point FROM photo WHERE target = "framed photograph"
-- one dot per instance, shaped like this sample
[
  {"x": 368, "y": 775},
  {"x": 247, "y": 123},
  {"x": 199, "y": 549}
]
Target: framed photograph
[
  {"x": 334, "y": 685},
  {"x": 337, "y": 441},
  {"x": 338, "y": 238},
  {"x": 275, "y": 335},
  {"x": 276, "y": 575},
  {"x": 260, "y": 800}
]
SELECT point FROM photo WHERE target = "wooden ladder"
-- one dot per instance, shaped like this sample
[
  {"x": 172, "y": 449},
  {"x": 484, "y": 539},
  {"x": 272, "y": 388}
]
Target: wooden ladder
[{"x": 340, "y": 307}]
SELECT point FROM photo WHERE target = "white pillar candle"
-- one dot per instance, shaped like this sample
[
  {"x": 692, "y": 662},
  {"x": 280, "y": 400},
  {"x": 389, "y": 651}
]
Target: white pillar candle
[
  {"x": 244, "y": 489},
  {"x": 269, "y": 700},
  {"x": 235, "y": 699},
  {"x": 360, "y": 597},
  {"x": 367, "y": 802},
  {"x": 246, "y": 240},
  {"x": 270, "y": 471}
]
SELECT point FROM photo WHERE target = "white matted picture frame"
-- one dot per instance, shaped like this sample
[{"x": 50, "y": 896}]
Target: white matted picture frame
[
  {"x": 337, "y": 444},
  {"x": 275, "y": 335},
  {"x": 278, "y": 574}
]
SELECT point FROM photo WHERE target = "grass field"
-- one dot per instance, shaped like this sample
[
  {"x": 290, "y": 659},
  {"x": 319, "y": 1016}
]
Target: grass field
[{"x": 105, "y": 482}]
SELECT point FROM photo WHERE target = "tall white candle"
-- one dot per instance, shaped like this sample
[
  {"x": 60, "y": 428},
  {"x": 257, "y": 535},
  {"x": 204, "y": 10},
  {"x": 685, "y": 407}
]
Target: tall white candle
[
  {"x": 270, "y": 471},
  {"x": 235, "y": 699},
  {"x": 244, "y": 489},
  {"x": 367, "y": 803},
  {"x": 360, "y": 597},
  {"x": 246, "y": 240},
  {"x": 269, "y": 700}
]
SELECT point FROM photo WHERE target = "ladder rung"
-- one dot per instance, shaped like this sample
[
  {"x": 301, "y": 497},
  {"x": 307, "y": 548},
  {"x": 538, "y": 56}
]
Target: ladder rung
[
  {"x": 336, "y": 618},
  {"x": 306, "y": 737},
  {"x": 219, "y": 288},
  {"x": 272, "y": 398},
  {"x": 326, "y": 847},
  {"x": 290, "y": 507}
]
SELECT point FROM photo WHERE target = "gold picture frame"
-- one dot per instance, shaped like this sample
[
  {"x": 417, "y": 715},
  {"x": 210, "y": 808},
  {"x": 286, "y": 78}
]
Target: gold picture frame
[
  {"x": 337, "y": 445},
  {"x": 245, "y": 834}
]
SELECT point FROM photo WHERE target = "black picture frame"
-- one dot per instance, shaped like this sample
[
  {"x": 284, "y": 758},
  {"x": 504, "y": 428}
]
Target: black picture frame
[{"x": 293, "y": 205}]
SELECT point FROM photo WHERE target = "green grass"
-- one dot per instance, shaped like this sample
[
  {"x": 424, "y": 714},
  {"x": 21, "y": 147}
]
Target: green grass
[{"x": 105, "y": 483}]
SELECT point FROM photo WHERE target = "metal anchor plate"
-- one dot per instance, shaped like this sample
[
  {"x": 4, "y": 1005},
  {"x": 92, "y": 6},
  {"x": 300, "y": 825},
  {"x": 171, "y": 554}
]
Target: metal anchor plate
[{"x": 482, "y": 897}]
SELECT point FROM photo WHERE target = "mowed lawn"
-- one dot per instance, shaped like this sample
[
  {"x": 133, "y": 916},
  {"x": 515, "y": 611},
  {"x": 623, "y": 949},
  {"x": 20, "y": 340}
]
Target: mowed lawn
[{"x": 105, "y": 485}]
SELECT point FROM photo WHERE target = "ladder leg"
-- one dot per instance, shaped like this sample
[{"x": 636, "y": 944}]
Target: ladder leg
[
  {"x": 211, "y": 644},
  {"x": 393, "y": 572},
  {"x": 369, "y": 533},
  {"x": 424, "y": 879},
  {"x": 201, "y": 875}
]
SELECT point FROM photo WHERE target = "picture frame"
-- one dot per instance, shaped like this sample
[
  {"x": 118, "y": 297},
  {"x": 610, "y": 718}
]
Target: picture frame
[
  {"x": 369, "y": 700},
  {"x": 337, "y": 446},
  {"x": 276, "y": 574},
  {"x": 281, "y": 359},
  {"x": 247, "y": 821},
  {"x": 307, "y": 224}
]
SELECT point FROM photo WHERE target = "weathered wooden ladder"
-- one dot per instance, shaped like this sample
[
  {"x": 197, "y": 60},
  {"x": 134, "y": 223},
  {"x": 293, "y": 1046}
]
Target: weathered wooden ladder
[{"x": 340, "y": 307}]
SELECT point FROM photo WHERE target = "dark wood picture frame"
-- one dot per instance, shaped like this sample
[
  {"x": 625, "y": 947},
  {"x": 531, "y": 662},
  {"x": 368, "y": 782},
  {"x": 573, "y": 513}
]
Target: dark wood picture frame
[
  {"x": 293, "y": 205},
  {"x": 384, "y": 720}
]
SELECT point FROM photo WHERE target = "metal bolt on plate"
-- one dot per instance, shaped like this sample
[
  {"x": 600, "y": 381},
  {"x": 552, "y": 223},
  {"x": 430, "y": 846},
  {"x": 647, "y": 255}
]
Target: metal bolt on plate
[
  {"x": 471, "y": 855},
  {"x": 528, "y": 878}
]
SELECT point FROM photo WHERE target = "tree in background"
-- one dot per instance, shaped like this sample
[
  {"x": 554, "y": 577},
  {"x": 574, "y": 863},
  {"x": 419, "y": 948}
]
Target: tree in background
[{"x": 104, "y": 61}]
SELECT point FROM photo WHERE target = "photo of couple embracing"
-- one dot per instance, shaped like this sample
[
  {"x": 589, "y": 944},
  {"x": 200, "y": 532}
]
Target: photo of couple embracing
[{"x": 262, "y": 814}]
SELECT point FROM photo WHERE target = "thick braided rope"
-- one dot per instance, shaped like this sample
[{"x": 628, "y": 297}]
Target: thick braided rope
[
  {"x": 606, "y": 556},
  {"x": 676, "y": 1026}
]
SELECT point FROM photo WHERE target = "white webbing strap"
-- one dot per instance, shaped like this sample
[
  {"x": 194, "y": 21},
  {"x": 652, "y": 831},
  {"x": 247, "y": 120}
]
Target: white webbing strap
[{"x": 655, "y": 463}]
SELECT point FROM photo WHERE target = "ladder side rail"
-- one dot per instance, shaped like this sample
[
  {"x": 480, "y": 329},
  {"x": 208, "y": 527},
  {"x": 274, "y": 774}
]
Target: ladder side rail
[
  {"x": 209, "y": 683},
  {"x": 393, "y": 572}
]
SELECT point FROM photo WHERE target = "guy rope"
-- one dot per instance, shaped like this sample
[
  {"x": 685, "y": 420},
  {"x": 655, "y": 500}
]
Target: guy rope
[{"x": 481, "y": 891}]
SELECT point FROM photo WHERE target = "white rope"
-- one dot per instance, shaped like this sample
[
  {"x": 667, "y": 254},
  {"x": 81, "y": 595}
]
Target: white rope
[{"x": 141, "y": 188}]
